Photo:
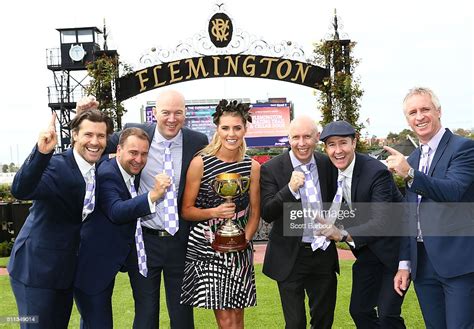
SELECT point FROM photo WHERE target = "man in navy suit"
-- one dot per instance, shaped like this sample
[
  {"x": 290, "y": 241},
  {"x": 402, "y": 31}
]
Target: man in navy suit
[
  {"x": 108, "y": 237},
  {"x": 44, "y": 256},
  {"x": 165, "y": 252},
  {"x": 290, "y": 259},
  {"x": 438, "y": 253},
  {"x": 364, "y": 180}
]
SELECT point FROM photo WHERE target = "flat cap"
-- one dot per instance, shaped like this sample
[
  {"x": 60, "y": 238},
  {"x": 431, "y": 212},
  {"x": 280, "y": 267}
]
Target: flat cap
[{"x": 337, "y": 128}]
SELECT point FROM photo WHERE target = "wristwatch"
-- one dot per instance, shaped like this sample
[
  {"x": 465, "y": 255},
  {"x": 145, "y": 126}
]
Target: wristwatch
[
  {"x": 410, "y": 176},
  {"x": 345, "y": 234}
]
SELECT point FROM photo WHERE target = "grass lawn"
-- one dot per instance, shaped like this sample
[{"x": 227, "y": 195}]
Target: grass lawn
[
  {"x": 4, "y": 261},
  {"x": 267, "y": 314}
]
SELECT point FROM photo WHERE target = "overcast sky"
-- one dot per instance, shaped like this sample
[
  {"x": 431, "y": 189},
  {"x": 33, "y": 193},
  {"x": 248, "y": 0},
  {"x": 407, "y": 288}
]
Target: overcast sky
[{"x": 401, "y": 44}]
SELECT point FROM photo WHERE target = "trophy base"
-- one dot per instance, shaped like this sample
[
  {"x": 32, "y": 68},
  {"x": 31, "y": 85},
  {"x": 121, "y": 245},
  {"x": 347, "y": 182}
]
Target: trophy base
[{"x": 229, "y": 243}]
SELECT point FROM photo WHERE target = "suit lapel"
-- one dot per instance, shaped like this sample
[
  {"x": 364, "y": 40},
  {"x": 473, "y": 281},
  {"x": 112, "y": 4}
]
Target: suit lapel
[
  {"x": 120, "y": 177},
  {"x": 356, "y": 177},
  {"x": 75, "y": 170},
  {"x": 185, "y": 159},
  {"x": 440, "y": 150},
  {"x": 150, "y": 130},
  {"x": 414, "y": 161},
  {"x": 77, "y": 176},
  {"x": 322, "y": 172},
  {"x": 286, "y": 167},
  {"x": 414, "y": 158}
]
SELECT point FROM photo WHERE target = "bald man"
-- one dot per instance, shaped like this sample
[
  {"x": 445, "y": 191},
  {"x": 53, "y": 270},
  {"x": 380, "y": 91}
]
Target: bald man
[
  {"x": 165, "y": 251},
  {"x": 298, "y": 260}
]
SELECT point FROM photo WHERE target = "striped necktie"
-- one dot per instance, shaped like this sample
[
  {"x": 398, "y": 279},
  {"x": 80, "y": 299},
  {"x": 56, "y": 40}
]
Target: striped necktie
[
  {"x": 171, "y": 219},
  {"x": 313, "y": 204},
  {"x": 336, "y": 202},
  {"x": 423, "y": 167},
  {"x": 141, "y": 254},
  {"x": 89, "y": 198}
]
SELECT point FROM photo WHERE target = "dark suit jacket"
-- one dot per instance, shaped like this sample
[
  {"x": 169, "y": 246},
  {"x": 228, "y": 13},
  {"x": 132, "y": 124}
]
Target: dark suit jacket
[
  {"x": 450, "y": 179},
  {"x": 275, "y": 175},
  {"x": 45, "y": 252},
  {"x": 192, "y": 143},
  {"x": 373, "y": 187},
  {"x": 109, "y": 234}
]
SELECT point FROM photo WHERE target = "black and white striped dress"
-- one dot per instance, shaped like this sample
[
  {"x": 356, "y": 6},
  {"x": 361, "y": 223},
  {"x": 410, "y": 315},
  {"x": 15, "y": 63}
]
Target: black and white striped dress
[{"x": 212, "y": 279}]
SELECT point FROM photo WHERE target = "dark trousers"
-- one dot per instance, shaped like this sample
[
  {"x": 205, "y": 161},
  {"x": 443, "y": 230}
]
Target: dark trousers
[
  {"x": 51, "y": 308},
  {"x": 445, "y": 302},
  {"x": 372, "y": 287},
  {"x": 164, "y": 255},
  {"x": 314, "y": 273},
  {"x": 95, "y": 310}
]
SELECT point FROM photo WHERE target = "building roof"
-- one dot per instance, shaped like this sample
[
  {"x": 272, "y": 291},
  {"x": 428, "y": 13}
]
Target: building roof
[{"x": 406, "y": 147}]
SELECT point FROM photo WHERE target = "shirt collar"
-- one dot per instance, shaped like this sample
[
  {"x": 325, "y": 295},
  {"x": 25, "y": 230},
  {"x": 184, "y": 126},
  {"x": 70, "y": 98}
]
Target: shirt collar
[
  {"x": 296, "y": 163},
  {"x": 349, "y": 170},
  {"x": 83, "y": 165},
  {"x": 434, "y": 141},
  {"x": 125, "y": 175},
  {"x": 176, "y": 140}
]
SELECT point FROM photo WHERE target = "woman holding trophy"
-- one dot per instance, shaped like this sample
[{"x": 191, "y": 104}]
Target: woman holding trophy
[{"x": 222, "y": 195}]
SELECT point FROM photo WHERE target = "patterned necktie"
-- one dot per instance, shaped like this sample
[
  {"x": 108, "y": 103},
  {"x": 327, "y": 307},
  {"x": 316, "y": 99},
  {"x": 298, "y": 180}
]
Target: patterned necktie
[
  {"x": 171, "y": 219},
  {"x": 424, "y": 160},
  {"x": 141, "y": 254},
  {"x": 423, "y": 167},
  {"x": 89, "y": 198},
  {"x": 309, "y": 188},
  {"x": 336, "y": 202},
  {"x": 313, "y": 204}
]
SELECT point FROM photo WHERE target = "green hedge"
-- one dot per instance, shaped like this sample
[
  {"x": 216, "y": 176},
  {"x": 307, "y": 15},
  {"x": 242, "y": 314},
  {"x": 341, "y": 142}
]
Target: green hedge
[
  {"x": 5, "y": 248},
  {"x": 5, "y": 193}
]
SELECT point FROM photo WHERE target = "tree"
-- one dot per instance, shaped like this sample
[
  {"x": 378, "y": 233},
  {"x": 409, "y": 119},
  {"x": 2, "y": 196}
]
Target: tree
[
  {"x": 393, "y": 138},
  {"x": 341, "y": 91},
  {"x": 5, "y": 168},
  {"x": 12, "y": 167},
  {"x": 406, "y": 132},
  {"x": 103, "y": 72},
  {"x": 463, "y": 132}
]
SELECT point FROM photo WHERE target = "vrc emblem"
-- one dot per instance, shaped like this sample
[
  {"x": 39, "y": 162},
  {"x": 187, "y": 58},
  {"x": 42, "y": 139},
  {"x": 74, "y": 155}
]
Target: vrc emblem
[{"x": 220, "y": 30}]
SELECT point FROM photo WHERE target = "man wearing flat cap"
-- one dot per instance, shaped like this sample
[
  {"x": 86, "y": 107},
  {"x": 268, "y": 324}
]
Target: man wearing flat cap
[{"x": 362, "y": 179}]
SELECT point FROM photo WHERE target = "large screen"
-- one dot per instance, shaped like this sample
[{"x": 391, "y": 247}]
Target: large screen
[{"x": 269, "y": 125}]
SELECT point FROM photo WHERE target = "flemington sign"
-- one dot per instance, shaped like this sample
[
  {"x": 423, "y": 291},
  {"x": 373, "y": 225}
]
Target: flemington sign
[
  {"x": 228, "y": 60},
  {"x": 251, "y": 66}
]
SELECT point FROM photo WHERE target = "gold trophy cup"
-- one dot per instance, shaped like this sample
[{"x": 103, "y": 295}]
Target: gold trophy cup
[{"x": 229, "y": 237}]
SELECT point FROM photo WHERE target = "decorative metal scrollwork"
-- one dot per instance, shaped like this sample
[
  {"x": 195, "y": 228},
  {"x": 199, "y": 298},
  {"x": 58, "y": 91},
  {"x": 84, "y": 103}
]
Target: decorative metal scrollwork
[{"x": 241, "y": 43}]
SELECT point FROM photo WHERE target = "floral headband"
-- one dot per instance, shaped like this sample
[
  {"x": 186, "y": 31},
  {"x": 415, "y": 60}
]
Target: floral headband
[{"x": 234, "y": 106}]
